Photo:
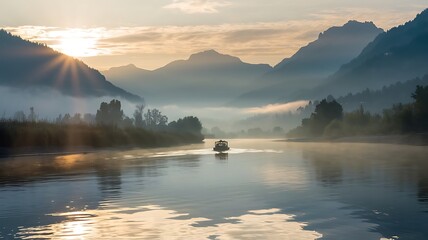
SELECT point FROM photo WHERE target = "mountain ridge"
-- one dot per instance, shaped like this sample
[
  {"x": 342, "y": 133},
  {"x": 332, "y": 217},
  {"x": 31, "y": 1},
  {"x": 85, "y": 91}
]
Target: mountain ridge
[
  {"x": 209, "y": 75},
  {"x": 400, "y": 53},
  {"x": 312, "y": 63},
  {"x": 28, "y": 64}
]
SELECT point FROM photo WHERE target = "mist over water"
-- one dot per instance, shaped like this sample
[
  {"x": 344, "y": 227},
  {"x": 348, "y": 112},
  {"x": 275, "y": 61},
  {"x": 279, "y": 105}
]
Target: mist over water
[
  {"x": 260, "y": 189},
  {"x": 49, "y": 103},
  {"x": 233, "y": 119}
]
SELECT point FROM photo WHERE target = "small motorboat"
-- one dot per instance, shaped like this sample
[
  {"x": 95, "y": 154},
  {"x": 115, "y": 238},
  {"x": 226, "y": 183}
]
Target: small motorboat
[{"x": 221, "y": 146}]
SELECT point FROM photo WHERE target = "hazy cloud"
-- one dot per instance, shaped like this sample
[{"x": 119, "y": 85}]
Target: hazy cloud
[
  {"x": 248, "y": 35},
  {"x": 197, "y": 6},
  {"x": 278, "y": 108}
]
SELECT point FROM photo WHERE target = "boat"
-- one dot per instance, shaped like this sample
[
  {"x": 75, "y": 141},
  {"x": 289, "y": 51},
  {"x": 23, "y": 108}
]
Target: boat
[{"x": 221, "y": 146}]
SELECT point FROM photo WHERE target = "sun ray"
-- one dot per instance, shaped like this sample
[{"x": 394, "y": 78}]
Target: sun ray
[
  {"x": 91, "y": 77},
  {"x": 61, "y": 77},
  {"x": 75, "y": 80},
  {"x": 46, "y": 67}
]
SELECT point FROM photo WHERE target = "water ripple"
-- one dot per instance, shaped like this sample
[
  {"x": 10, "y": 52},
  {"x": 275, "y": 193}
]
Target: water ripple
[{"x": 153, "y": 221}]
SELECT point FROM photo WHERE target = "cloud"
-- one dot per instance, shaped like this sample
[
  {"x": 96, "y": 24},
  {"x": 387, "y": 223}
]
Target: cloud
[
  {"x": 254, "y": 34},
  {"x": 258, "y": 42},
  {"x": 278, "y": 108},
  {"x": 197, "y": 6}
]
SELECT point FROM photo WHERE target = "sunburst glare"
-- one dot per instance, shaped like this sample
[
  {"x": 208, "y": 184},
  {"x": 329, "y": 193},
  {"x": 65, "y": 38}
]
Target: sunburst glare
[{"x": 78, "y": 43}]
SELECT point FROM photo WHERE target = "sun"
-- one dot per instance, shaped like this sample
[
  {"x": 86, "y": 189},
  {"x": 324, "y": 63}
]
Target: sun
[
  {"x": 77, "y": 42},
  {"x": 78, "y": 47}
]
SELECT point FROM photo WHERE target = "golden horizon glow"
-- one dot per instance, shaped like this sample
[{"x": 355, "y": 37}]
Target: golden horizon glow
[
  {"x": 153, "y": 46},
  {"x": 151, "y": 34}
]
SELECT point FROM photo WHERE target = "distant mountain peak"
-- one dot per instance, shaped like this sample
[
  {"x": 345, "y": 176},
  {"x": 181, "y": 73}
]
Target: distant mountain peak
[
  {"x": 422, "y": 16},
  {"x": 129, "y": 69},
  {"x": 2, "y": 31},
  {"x": 210, "y": 51},
  {"x": 212, "y": 56},
  {"x": 395, "y": 55},
  {"x": 350, "y": 38},
  {"x": 353, "y": 26},
  {"x": 356, "y": 23},
  {"x": 311, "y": 64},
  {"x": 131, "y": 65},
  {"x": 423, "y": 13}
]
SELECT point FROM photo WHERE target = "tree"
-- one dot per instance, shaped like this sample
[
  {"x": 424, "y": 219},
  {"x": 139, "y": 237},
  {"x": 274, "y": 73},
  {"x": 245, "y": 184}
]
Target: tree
[
  {"x": 127, "y": 122},
  {"x": 325, "y": 112},
  {"x": 110, "y": 113},
  {"x": 421, "y": 108},
  {"x": 20, "y": 116},
  {"x": 32, "y": 117},
  {"x": 328, "y": 110},
  {"x": 421, "y": 97},
  {"x": 89, "y": 118},
  {"x": 138, "y": 115},
  {"x": 76, "y": 119},
  {"x": 66, "y": 119},
  {"x": 154, "y": 119},
  {"x": 187, "y": 124},
  {"x": 58, "y": 120}
]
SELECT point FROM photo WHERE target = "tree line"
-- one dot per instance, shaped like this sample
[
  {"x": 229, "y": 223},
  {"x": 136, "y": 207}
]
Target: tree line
[
  {"x": 107, "y": 128},
  {"x": 329, "y": 119}
]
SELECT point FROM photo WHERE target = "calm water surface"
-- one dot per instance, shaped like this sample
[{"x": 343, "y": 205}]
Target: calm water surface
[{"x": 261, "y": 189}]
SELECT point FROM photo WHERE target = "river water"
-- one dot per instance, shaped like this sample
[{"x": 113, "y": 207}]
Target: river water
[{"x": 261, "y": 189}]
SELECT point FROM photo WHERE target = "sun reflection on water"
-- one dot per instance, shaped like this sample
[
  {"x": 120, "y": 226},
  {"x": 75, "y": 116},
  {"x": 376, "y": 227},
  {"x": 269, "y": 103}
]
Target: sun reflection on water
[{"x": 154, "y": 222}]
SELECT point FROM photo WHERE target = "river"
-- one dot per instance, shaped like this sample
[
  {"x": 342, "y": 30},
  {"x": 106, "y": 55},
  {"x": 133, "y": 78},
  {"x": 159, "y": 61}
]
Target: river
[{"x": 261, "y": 189}]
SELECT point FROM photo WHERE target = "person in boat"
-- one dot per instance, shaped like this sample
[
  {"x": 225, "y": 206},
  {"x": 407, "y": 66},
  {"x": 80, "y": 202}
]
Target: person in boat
[{"x": 221, "y": 146}]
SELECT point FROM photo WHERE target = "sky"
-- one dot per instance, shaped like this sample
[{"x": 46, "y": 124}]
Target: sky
[{"x": 152, "y": 33}]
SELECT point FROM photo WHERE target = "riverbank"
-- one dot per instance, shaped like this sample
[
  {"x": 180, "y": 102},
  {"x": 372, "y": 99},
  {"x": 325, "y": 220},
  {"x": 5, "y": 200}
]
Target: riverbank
[
  {"x": 57, "y": 151},
  {"x": 54, "y": 151},
  {"x": 407, "y": 139},
  {"x": 46, "y": 138}
]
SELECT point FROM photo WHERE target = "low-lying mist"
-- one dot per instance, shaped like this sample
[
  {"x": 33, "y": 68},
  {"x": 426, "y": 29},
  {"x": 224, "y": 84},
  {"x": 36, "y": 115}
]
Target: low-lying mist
[
  {"x": 49, "y": 104},
  {"x": 234, "y": 119}
]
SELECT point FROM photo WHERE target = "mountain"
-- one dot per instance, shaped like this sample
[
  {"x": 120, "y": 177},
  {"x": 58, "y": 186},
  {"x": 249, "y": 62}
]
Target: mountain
[
  {"x": 129, "y": 77},
  {"x": 333, "y": 48},
  {"x": 25, "y": 64},
  {"x": 314, "y": 62},
  {"x": 401, "y": 53},
  {"x": 205, "y": 78}
]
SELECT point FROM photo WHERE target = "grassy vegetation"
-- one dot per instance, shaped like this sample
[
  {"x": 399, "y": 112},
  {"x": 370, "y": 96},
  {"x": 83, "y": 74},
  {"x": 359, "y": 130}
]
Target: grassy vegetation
[
  {"x": 14, "y": 134},
  {"x": 108, "y": 128}
]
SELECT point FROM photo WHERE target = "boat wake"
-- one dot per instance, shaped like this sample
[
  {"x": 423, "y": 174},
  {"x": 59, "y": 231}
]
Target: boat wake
[{"x": 209, "y": 151}]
